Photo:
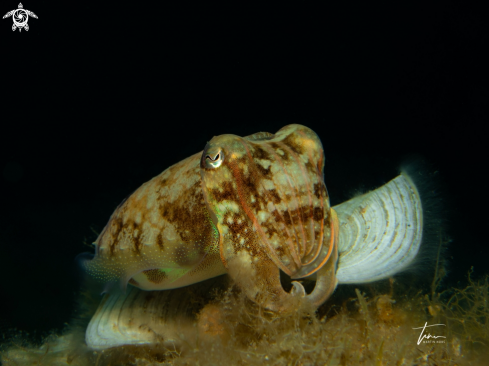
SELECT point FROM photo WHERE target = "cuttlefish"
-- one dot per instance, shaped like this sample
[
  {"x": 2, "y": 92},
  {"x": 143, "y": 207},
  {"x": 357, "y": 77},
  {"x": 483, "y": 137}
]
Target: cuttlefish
[{"x": 253, "y": 207}]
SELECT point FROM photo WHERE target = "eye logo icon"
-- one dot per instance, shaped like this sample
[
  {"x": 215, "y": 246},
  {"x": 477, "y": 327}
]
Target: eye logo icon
[{"x": 20, "y": 17}]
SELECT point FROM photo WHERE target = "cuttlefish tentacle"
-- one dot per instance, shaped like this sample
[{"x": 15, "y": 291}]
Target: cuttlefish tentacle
[
  {"x": 259, "y": 278},
  {"x": 326, "y": 280}
]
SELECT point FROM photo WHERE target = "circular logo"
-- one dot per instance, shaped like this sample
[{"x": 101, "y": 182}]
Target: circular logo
[{"x": 20, "y": 17}]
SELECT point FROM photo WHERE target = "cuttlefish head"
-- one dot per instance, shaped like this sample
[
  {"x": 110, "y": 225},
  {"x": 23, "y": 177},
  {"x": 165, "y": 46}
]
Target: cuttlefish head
[{"x": 266, "y": 195}]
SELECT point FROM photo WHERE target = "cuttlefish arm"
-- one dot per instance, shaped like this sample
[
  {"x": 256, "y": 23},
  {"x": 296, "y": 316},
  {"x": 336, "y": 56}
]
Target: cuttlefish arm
[
  {"x": 266, "y": 195},
  {"x": 161, "y": 237}
]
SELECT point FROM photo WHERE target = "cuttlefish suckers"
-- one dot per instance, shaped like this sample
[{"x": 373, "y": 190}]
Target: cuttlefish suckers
[{"x": 252, "y": 207}]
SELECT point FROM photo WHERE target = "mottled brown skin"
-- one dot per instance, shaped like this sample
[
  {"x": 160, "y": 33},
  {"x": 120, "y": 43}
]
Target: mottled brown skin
[
  {"x": 161, "y": 237},
  {"x": 269, "y": 202},
  {"x": 247, "y": 206}
]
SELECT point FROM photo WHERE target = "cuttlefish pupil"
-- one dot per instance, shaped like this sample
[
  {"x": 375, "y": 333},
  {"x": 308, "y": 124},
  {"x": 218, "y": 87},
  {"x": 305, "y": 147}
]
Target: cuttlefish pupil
[{"x": 213, "y": 158}]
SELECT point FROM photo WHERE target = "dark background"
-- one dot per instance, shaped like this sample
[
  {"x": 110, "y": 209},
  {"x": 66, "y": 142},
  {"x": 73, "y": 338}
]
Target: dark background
[{"x": 99, "y": 97}]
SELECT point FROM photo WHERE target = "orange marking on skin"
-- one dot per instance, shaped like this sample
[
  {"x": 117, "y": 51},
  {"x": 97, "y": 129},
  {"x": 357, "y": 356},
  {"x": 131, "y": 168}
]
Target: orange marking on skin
[{"x": 332, "y": 241}]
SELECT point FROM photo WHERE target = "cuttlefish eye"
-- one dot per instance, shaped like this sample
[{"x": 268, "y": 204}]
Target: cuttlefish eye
[{"x": 212, "y": 157}]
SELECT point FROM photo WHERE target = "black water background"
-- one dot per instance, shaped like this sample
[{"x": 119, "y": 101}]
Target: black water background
[{"x": 97, "y": 98}]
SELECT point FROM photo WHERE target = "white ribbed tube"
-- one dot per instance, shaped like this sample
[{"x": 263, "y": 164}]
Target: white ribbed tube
[
  {"x": 136, "y": 317},
  {"x": 380, "y": 232}
]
